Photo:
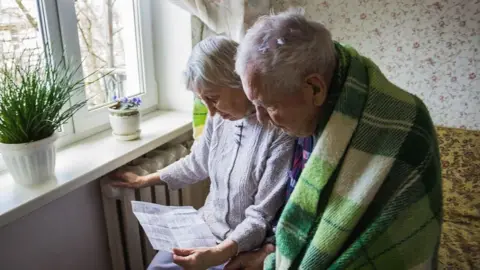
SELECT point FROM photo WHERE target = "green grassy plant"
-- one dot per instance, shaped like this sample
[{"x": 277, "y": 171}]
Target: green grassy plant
[{"x": 36, "y": 96}]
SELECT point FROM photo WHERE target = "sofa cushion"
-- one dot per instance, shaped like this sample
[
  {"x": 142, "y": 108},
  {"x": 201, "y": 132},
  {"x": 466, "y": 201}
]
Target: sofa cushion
[{"x": 460, "y": 156}]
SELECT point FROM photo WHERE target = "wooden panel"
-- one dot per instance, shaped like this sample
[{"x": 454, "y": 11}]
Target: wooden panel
[
  {"x": 132, "y": 235},
  {"x": 196, "y": 194},
  {"x": 130, "y": 240},
  {"x": 148, "y": 251},
  {"x": 113, "y": 233},
  {"x": 161, "y": 196},
  {"x": 187, "y": 198},
  {"x": 175, "y": 197}
]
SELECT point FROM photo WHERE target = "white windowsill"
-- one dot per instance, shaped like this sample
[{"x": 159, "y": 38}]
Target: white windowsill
[{"x": 88, "y": 160}]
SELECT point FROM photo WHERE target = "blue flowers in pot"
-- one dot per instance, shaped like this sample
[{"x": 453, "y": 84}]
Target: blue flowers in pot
[{"x": 125, "y": 118}]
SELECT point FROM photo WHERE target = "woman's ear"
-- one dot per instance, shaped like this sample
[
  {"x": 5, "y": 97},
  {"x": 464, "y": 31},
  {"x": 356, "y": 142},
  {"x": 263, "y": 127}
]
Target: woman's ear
[{"x": 319, "y": 88}]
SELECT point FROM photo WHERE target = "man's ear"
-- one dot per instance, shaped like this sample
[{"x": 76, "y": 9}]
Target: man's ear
[{"x": 319, "y": 88}]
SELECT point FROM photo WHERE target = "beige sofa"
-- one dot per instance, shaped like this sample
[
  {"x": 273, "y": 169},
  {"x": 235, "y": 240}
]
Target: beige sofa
[{"x": 460, "y": 155}]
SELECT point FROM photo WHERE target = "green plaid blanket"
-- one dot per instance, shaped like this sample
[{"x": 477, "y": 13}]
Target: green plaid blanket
[{"x": 369, "y": 196}]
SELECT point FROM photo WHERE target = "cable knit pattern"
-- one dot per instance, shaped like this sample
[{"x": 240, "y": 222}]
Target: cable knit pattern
[{"x": 247, "y": 165}]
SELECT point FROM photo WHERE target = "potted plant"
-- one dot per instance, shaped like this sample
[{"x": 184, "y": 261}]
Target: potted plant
[
  {"x": 33, "y": 98},
  {"x": 125, "y": 118}
]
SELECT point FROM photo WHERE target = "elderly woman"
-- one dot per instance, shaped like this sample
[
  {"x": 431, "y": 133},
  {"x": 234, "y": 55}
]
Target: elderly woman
[
  {"x": 366, "y": 176},
  {"x": 246, "y": 163}
]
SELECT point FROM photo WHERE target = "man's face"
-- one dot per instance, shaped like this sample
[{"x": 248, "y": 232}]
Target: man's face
[{"x": 293, "y": 112}]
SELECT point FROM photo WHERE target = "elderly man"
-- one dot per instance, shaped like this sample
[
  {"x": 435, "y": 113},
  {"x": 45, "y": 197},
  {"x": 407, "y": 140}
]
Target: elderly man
[{"x": 369, "y": 196}]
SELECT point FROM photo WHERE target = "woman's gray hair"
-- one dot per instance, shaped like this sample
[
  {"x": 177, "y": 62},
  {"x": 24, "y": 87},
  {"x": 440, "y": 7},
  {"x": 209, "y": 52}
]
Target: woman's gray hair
[
  {"x": 283, "y": 49},
  {"x": 212, "y": 64}
]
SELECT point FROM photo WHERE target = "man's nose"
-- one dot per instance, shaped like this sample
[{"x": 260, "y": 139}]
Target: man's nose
[{"x": 262, "y": 115}]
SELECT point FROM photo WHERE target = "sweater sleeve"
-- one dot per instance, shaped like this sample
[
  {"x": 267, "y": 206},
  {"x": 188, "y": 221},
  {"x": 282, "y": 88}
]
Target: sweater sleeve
[
  {"x": 270, "y": 196},
  {"x": 192, "y": 168}
]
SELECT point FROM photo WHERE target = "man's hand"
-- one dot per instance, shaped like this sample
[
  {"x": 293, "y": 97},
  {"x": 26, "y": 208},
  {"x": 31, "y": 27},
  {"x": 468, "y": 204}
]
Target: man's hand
[
  {"x": 204, "y": 258},
  {"x": 130, "y": 180},
  {"x": 252, "y": 260}
]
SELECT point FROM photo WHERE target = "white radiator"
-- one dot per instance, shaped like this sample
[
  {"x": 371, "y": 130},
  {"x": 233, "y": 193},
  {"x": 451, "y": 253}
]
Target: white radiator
[{"x": 129, "y": 246}]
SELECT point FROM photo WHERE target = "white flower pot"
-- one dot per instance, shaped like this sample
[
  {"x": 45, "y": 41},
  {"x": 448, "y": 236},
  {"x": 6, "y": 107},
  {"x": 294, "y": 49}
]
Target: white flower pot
[
  {"x": 125, "y": 124},
  {"x": 30, "y": 163}
]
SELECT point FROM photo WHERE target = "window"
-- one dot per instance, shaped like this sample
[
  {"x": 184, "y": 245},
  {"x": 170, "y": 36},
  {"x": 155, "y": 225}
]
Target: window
[
  {"x": 102, "y": 36},
  {"x": 113, "y": 37},
  {"x": 19, "y": 32},
  {"x": 19, "y": 26}
]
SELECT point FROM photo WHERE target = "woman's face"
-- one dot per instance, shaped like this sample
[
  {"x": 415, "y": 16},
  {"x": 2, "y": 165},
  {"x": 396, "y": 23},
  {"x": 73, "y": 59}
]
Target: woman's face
[{"x": 231, "y": 104}]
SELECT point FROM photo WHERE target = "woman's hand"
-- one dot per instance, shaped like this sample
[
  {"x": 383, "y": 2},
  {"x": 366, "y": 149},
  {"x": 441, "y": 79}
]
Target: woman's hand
[
  {"x": 195, "y": 258},
  {"x": 252, "y": 260},
  {"x": 132, "y": 180},
  {"x": 204, "y": 258}
]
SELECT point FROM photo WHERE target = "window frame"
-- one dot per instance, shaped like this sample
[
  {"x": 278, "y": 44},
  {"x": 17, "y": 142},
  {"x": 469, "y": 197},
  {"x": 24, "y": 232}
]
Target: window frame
[
  {"x": 85, "y": 119},
  {"x": 58, "y": 28},
  {"x": 50, "y": 32}
]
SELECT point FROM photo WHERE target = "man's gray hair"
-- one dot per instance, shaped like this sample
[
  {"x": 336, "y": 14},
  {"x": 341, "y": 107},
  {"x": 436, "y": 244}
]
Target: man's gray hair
[
  {"x": 285, "y": 48},
  {"x": 212, "y": 64}
]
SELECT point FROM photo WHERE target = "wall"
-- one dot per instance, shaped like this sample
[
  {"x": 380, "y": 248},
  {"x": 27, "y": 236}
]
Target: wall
[
  {"x": 172, "y": 46},
  {"x": 430, "y": 48},
  {"x": 68, "y": 233}
]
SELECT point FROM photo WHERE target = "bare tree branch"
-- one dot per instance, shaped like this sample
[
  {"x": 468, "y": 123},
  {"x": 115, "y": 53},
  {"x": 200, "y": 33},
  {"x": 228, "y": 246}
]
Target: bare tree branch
[
  {"x": 9, "y": 27},
  {"x": 88, "y": 40},
  {"x": 89, "y": 46},
  {"x": 33, "y": 22},
  {"x": 117, "y": 31}
]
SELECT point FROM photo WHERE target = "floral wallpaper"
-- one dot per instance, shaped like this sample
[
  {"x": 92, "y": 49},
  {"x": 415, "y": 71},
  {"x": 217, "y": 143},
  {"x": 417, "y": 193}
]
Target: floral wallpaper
[{"x": 429, "y": 48}]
